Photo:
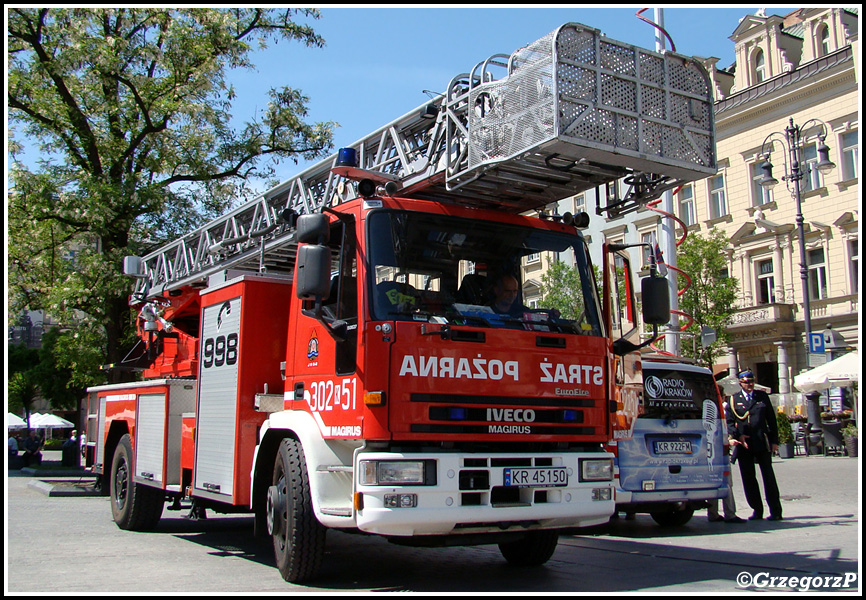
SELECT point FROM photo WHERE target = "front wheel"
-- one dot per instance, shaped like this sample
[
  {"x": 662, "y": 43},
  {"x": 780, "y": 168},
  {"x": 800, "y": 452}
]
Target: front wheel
[
  {"x": 133, "y": 506},
  {"x": 299, "y": 538},
  {"x": 531, "y": 551}
]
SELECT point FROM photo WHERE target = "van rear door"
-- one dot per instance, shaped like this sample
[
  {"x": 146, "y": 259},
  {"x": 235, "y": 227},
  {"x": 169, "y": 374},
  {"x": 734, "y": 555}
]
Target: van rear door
[{"x": 678, "y": 440}]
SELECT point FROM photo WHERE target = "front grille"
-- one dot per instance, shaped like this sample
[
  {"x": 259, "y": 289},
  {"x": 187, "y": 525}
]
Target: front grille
[
  {"x": 474, "y": 481},
  {"x": 471, "y": 415},
  {"x": 502, "y": 400}
]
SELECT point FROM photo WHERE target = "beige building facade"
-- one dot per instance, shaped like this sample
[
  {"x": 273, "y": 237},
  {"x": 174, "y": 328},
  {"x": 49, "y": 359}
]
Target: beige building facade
[{"x": 801, "y": 68}]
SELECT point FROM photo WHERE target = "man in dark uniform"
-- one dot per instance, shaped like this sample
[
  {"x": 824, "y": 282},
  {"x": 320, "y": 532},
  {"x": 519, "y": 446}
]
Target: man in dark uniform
[{"x": 753, "y": 431}]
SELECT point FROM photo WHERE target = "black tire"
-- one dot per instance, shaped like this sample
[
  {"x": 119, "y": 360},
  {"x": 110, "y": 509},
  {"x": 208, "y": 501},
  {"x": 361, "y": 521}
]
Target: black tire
[
  {"x": 134, "y": 506},
  {"x": 533, "y": 550},
  {"x": 299, "y": 538},
  {"x": 673, "y": 518}
]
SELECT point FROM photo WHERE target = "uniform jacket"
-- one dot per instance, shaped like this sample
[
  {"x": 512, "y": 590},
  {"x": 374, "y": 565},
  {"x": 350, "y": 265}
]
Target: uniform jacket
[{"x": 756, "y": 419}]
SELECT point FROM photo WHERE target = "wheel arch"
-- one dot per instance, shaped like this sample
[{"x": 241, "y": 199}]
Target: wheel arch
[
  {"x": 325, "y": 488},
  {"x": 116, "y": 430}
]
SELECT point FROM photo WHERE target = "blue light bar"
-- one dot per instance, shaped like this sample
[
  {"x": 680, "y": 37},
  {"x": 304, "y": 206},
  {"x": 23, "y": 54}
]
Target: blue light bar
[{"x": 347, "y": 157}]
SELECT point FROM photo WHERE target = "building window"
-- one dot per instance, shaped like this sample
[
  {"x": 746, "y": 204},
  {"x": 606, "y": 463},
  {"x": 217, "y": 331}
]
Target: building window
[
  {"x": 817, "y": 274},
  {"x": 687, "y": 205},
  {"x": 579, "y": 203},
  {"x": 824, "y": 37},
  {"x": 766, "y": 284},
  {"x": 648, "y": 240},
  {"x": 612, "y": 191},
  {"x": 760, "y": 67},
  {"x": 760, "y": 194},
  {"x": 812, "y": 179},
  {"x": 854, "y": 263},
  {"x": 850, "y": 153},
  {"x": 718, "y": 200}
]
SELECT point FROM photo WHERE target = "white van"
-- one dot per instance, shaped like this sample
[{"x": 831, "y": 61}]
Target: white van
[{"x": 676, "y": 458}]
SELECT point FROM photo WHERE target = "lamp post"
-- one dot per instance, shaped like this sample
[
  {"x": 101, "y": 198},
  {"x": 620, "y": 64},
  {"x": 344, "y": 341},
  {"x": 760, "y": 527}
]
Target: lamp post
[{"x": 792, "y": 141}]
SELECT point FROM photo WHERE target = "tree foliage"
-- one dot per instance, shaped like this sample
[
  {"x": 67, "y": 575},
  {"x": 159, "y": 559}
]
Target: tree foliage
[
  {"x": 21, "y": 391},
  {"x": 60, "y": 380},
  {"x": 131, "y": 112},
  {"x": 710, "y": 299},
  {"x": 21, "y": 388},
  {"x": 561, "y": 289}
]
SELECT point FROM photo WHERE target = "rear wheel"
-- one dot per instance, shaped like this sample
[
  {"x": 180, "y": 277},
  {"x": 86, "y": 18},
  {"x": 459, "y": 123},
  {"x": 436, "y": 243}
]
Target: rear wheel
[
  {"x": 673, "y": 518},
  {"x": 299, "y": 538},
  {"x": 133, "y": 506},
  {"x": 533, "y": 550}
]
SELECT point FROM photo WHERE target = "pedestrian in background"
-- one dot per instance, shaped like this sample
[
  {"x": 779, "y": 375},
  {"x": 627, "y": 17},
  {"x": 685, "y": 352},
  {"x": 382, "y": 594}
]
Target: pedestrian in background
[
  {"x": 729, "y": 504},
  {"x": 32, "y": 449}
]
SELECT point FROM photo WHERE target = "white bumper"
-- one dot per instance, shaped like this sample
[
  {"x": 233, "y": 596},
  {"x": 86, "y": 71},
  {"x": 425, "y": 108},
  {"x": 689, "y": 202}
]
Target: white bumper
[{"x": 470, "y": 495}]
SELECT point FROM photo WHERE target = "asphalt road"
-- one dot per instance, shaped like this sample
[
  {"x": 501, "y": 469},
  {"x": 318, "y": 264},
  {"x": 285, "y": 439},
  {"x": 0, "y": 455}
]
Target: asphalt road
[{"x": 70, "y": 545}]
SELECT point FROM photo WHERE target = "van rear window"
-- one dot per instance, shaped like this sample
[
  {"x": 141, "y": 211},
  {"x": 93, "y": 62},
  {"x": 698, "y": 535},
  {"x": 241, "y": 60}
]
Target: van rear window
[{"x": 672, "y": 393}]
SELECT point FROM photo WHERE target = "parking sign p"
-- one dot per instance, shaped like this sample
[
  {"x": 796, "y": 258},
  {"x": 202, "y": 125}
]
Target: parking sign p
[{"x": 816, "y": 343}]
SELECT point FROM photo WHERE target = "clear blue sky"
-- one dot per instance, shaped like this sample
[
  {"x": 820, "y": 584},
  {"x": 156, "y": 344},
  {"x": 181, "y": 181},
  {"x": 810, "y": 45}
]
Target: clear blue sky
[{"x": 377, "y": 62}]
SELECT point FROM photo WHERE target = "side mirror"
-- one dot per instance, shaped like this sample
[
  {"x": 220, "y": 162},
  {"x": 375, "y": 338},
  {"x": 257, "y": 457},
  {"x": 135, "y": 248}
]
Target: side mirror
[
  {"x": 313, "y": 229},
  {"x": 655, "y": 299},
  {"x": 313, "y": 280}
]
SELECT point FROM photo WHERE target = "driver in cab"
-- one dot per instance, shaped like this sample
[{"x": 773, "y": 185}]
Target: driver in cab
[{"x": 505, "y": 292}]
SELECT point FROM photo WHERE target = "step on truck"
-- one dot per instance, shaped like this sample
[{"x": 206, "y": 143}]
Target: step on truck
[{"x": 329, "y": 355}]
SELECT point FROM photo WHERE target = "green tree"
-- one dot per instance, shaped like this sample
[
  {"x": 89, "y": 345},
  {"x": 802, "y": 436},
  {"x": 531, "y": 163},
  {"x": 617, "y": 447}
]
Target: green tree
[
  {"x": 21, "y": 388},
  {"x": 22, "y": 391},
  {"x": 131, "y": 111},
  {"x": 57, "y": 382},
  {"x": 710, "y": 299},
  {"x": 561, "y": 289}
]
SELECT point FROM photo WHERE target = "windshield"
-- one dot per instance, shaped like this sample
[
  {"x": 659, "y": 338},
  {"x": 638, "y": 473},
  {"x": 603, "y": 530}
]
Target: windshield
[
  {"x": 449, "y": 270},
  {"x": 670, "y": 392}
]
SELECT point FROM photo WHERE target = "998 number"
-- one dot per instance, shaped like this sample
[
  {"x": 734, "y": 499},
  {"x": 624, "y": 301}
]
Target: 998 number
[{"x": 221, "y": 350}]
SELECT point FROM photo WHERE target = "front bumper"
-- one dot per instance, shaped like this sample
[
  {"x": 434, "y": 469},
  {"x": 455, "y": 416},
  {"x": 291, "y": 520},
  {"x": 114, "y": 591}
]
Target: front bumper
[{"x": 468, "y": 493}]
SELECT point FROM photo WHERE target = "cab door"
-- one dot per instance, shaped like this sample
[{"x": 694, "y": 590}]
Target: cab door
[{"x": 621, "y": 312}]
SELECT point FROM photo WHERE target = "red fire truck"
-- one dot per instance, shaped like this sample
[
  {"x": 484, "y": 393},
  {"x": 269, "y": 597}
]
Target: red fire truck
[{"x": 334, "y": 354}]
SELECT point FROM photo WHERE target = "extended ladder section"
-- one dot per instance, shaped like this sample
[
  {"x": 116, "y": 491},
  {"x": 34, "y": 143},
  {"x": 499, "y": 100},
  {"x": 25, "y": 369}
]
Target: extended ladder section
[{"x": 573, "y": 111}]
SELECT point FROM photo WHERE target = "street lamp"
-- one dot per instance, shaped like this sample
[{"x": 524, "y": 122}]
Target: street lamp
[{"x": 792, "y": 141}]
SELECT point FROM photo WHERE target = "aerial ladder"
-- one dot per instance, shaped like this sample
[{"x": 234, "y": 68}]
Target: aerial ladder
[{"x": 572, "y": 111}]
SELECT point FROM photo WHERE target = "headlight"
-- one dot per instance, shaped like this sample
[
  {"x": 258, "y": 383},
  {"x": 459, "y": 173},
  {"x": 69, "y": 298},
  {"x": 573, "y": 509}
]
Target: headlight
[
  {"x": 397, "y": 472},
  {"x": 596, "y": 469}
]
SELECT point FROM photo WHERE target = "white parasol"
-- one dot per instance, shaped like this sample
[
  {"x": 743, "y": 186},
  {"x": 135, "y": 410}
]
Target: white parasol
[
  {"x": 13, "y": 421},
  {"x": 840, "y": 372},
  {"x": 49, "y": 421}
]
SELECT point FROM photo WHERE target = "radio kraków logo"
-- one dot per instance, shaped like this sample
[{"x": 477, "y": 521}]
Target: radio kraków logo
[{"x": 654, "y": 387}]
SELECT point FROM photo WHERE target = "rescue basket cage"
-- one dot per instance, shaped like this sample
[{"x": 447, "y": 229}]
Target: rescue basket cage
[{"x": 592, "y": 103}]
